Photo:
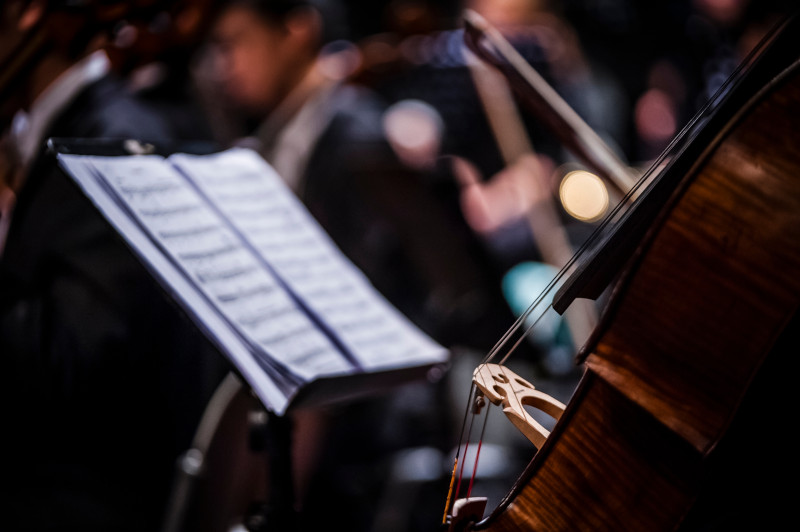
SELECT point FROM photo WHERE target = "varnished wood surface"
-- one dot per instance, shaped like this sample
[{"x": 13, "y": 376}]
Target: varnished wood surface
[
  {"x": 718, "y": 283},
  {"x": 612, "y": 468},
  {"x": 688, "y": 329}
]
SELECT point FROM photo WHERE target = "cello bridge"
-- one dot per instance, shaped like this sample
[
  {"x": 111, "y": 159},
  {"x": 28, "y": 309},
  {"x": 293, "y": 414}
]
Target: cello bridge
[{"x": 512, "y": 393}]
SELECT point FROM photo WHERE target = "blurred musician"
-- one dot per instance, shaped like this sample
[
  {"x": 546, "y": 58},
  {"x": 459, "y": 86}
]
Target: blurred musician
[
  {"x": 286, "y": 63},
  {"x": 507, "y": 165},
  {"x": 361, "y": 170},
  {"x": 103, "y": 380},
  {"x": 156, "y": 51}
]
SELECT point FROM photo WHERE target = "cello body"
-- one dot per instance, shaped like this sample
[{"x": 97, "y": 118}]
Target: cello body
[{"x": 680, "y": 419}]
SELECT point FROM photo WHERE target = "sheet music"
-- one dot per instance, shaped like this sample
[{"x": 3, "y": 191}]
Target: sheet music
[
  {"x": 207, "y": 317},
  {"x": 254, "y": 198},
  {"x": 225, "y": 270}
]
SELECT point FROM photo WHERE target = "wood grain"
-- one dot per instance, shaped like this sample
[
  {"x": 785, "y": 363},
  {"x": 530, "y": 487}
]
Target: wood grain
[{"x": 689, "y": 327}]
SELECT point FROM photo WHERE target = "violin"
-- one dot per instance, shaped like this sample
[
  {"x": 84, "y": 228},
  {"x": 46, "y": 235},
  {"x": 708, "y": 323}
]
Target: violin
[{"x": 679, "y": 421}]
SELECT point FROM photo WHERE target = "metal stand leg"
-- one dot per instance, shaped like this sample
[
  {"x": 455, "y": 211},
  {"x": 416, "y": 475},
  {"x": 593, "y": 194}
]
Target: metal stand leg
[
  {"x": 190, "y": 464},
  {"x": 273, "y": 435}
]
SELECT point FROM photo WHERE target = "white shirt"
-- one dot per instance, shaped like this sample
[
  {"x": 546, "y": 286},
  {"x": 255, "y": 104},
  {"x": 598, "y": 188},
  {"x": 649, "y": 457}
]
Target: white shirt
[
  {"x": 293, "y": 145},
  {"x": 28, "y": 128}
]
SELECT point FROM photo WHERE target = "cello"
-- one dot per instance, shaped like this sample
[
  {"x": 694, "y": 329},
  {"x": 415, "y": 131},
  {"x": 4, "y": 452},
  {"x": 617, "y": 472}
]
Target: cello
[{"x": 679, "y": 421}]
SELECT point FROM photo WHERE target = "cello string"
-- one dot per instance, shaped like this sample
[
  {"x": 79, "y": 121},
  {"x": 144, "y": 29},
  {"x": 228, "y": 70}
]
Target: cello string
[
  {"x": 599, "y": 232},
  {"x": 477, "y": 454},
  {"x": 472, "y": 400},
  {"x": 472, "y": 392},
  {"x": 524, "y": 335},
  {"x": 466, "y": 448},
  {"x": 450, "y": 491}
]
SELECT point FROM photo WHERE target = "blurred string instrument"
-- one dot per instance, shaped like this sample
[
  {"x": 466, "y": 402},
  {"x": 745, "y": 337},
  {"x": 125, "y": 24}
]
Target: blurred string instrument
[
  {"x": 679, "y": 421},
  {"x": 548, "y": 232},
  {"x": 543, "y": 101},
  {"x": 387, "y": 54}
]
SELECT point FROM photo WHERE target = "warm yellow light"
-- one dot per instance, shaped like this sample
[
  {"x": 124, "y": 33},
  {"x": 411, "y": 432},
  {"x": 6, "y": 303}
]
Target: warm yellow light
[{"x": 583, "y": 195}]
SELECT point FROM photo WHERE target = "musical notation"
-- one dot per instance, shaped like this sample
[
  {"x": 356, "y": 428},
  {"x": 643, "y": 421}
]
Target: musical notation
[
  {"x": 259, "y": 275},
  {"x": 219, "y": 263}
]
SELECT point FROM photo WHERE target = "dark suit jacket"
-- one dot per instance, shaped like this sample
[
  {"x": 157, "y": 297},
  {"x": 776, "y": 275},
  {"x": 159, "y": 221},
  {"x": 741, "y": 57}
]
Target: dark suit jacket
[{"x": 103, "y": 378}]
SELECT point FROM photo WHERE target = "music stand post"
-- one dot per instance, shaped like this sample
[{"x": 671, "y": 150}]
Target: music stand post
[{"x": 267, "y": 433}]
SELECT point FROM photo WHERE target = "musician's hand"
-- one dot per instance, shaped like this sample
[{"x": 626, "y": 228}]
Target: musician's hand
[{"x": 507, "y": 196}]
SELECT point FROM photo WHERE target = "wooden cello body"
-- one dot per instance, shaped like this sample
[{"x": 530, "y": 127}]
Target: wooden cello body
[{"x": 681, "y": 421}]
